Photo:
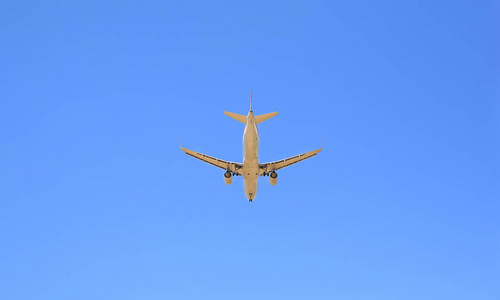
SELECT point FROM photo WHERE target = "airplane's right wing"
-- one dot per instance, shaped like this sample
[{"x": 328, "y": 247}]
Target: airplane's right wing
[
  {"x": 235, "y": 168},
  {"x": 280, "y": 164}
]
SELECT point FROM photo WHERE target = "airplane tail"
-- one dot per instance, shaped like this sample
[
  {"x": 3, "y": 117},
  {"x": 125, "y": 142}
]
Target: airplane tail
[
  {"x": 258, "y": 119},
  {"x": 262, "y": 118},
  {"x": 241, "y": 118}
]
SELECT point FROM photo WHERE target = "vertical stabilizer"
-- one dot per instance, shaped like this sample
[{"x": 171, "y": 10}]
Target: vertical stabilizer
[{"x": 250, "y": 99}]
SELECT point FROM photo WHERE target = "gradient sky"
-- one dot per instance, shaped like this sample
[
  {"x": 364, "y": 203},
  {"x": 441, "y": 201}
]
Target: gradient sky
[{"x": 97, "y": 201}]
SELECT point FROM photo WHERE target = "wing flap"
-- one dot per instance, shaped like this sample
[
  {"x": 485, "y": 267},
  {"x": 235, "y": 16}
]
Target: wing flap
[
  {"x": 280, "y": 164},
  {"x": 226, "y": 165}
]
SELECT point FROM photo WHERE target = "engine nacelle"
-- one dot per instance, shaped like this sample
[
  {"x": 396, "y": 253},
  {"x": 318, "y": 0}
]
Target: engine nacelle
[
  {"x": 273, "y": 178},
  {"x": 228, "y": 178}
]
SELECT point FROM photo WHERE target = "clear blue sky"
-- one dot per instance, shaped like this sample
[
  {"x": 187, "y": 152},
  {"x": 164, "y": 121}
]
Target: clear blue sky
[{"x": 97, "y": 201}]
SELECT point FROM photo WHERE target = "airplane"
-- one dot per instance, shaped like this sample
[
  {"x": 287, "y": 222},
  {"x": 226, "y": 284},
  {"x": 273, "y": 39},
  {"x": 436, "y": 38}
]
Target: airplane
[{"x": 250, "y": 168}]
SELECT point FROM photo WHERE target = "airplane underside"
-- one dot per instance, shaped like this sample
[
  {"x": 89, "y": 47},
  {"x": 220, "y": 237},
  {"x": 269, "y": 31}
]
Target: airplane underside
[{"x": 251, "y": 169}]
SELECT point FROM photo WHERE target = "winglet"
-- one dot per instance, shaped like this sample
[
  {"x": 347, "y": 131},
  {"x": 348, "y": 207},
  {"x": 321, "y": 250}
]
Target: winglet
[{"x": 250, "y": 99}]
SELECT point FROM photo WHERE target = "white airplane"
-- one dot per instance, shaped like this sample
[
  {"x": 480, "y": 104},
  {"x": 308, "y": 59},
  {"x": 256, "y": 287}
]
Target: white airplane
[{"x": 250, "y": 168}]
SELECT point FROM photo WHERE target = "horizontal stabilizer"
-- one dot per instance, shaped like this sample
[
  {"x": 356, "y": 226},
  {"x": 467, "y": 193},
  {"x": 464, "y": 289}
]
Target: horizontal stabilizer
[
  {"x": 262, "y": 118},
  {"x": 241, "y": 118}
]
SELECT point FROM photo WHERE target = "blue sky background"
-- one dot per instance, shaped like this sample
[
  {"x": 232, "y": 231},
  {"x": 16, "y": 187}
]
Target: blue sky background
[{"x": 98, "y": 202}]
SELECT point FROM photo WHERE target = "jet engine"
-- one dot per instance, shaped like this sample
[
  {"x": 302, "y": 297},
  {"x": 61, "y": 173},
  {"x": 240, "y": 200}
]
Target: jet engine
[
  {"x": 228, "y": 178},
  {"x": 273, "y": 178}
]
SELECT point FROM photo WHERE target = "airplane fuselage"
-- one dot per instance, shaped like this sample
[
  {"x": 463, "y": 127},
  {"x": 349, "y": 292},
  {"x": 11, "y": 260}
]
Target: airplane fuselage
[{"x": 250, "y": 157}]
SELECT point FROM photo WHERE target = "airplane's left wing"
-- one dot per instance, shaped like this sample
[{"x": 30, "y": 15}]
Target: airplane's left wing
[
  {"x": 267, "y": 168},
  {"x": 235, "y": 168}
]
